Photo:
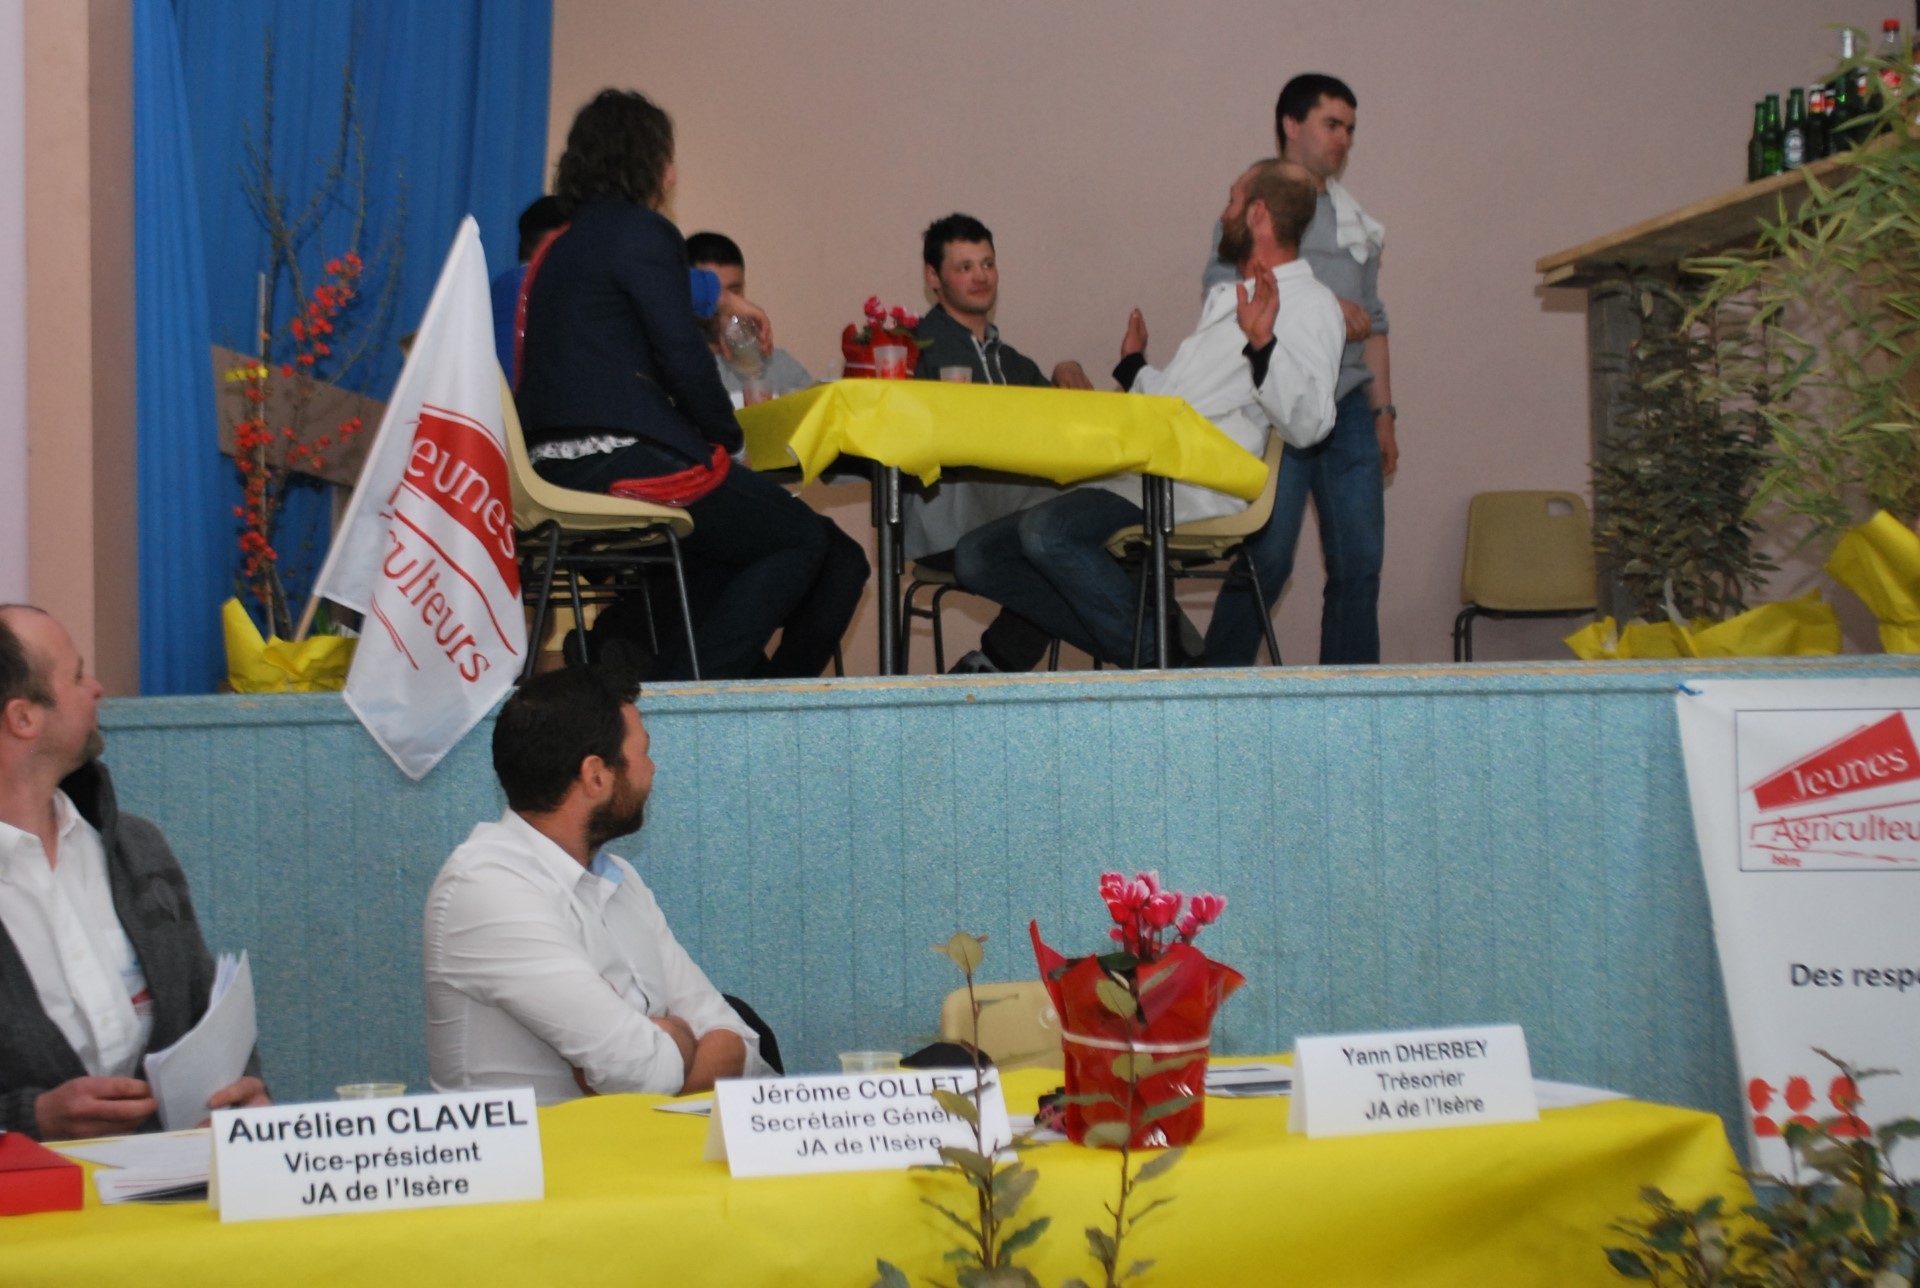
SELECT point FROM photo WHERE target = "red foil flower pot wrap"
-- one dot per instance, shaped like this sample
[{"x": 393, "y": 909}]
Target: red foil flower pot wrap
[
  {"x": 859, "y": 353},
  {"x": 1182, "y": 990}
]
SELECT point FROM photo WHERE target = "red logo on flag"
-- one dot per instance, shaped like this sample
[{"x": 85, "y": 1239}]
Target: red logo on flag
[
  {"x": 458, "y": 466},
  {"x": 1873, "y": 755}
]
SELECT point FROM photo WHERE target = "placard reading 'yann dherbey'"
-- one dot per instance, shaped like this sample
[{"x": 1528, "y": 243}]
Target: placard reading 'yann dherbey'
[
  {"x": 375, "y": 1155},
  {"x": 849, "y": 1122},
  {"x": 1364, "y": 1083}
]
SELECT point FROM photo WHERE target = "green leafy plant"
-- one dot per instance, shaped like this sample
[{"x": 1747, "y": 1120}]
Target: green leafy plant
[
  {"x": 1673, "y": 491},
  {"x": 1842, "y": 1218},
  {"x": 1120, "y": 993},
  {"x": 993, "y": 1236},
  {"x": 1826, "y": 356}
]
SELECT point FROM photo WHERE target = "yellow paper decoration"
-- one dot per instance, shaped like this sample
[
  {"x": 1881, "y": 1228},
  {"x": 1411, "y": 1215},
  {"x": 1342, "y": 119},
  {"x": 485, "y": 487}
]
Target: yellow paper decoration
[
  {"x": 1802, "y": 627},
  {"x": 1880, "y": 562},
  {"x": 317, "y": 664}
]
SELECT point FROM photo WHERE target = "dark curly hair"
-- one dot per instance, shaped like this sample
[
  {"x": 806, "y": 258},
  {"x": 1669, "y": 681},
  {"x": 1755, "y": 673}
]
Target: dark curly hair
[{"x": 618, "y": 149}]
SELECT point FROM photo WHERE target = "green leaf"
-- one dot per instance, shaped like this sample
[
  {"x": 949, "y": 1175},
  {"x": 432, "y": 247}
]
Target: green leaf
[
  {"x": 1011, "y": 1191},
  {"x": 1116, "y": 998},
  {"x": 1171, "y": 1063},
  {"x": 1628, "y": 1263},
  {"x": 1131, "y": 1066},
  {"x": 965, "y": 951},
  {"x": 1879, "y": 1217},
  {"x": 1167, "y": 1108},
  {"x": 1135, "y": 1270},
  {"x": 890, "y": 1276},
  {"x": 968, "y": 1161},
  {"x": 952, "y": 1216},
  {"x": 1150, "y": 979},
  {"x": 958, "y": 1105},
  {"x": 1159, "y": 1165},
  {"x": 1141, "y": 1215},
  {"x": 1088, "y": 1098},
  {"x": 1023, "y": 1238},
  {"x": 1102, "y": 1246},
  {"x": 1107, "y": 1135}
]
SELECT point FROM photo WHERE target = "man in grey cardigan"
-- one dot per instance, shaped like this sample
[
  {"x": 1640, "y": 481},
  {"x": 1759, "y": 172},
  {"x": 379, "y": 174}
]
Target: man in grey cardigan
[{"x": 101, "y": 959}]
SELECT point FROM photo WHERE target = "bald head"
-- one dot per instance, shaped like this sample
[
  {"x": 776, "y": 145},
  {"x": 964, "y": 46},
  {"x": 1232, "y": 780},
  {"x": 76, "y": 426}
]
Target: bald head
[
  {"x": 1289, "y": 193},
  {"x": 48, "y": 699},
  {"x": 22, "y": 675}
]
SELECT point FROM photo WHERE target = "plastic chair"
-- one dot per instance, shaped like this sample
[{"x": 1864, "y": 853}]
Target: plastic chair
[
  {"x": 1529, "y": 554},
  {"x": 564, "y": 535},
  {"x": 1019, "y": 1029},
  {"x": 1191, "y": 546}
]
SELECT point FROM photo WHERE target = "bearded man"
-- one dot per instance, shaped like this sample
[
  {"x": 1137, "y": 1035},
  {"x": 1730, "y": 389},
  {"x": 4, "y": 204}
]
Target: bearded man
[{"x": 548, "y": 963}]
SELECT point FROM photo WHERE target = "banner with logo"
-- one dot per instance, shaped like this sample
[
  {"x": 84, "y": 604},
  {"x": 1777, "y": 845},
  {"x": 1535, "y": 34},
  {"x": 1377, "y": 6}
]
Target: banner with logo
[
  {"x": 1806, "y": 800},
  {"x": 426, "y": 548}
]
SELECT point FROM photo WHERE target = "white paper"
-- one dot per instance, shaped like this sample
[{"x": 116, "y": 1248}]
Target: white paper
[
  {"x": 212, "y": 1055},
  {"x": 698, "y": 1108},
  {"x": 1246, "y": 1081},
  {"x": 140, "y": 1167},
  {"x": 1570, "y": 1095}
]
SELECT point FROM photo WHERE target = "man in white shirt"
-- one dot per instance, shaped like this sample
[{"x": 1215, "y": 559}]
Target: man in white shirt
[
  {"x": 548, "y": 963},
  {"x": 1266, "y": 354},
  {"x": 101, "y": 958}
]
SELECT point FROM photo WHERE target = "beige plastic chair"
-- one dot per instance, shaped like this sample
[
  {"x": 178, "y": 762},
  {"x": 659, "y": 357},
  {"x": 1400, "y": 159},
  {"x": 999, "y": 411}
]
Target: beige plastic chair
[
  {"x": 1019, "y": 1028},
  {"x": 1191, "y": 546},
  {"x": 563, "y": 534},
  {"x": 1529, "y": 554}
]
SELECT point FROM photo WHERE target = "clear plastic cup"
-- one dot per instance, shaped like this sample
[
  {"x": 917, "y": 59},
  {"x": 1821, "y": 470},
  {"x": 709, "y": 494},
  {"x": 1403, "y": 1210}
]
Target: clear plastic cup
[
  {"x": 957, "y": 375},
  {"x": 868, "y": 1061},
  {"x": 369, "y": 1090}
]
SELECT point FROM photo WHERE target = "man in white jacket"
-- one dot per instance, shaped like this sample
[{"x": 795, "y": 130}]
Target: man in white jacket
[{"x": 1266, "y": 354}]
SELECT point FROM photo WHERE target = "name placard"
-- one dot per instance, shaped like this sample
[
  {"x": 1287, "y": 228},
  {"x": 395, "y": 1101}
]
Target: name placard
[
  {"x": 1365, "y": 1083},
  {"x": 847, "y": 1122},
  {"x": 376, "y": 1155}
]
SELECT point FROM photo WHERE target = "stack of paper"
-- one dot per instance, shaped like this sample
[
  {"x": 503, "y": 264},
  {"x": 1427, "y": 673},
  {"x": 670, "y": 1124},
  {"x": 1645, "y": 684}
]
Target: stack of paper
[
  {"x": 156, "y": 1168},
  {"x": 212, "y": 1055}
]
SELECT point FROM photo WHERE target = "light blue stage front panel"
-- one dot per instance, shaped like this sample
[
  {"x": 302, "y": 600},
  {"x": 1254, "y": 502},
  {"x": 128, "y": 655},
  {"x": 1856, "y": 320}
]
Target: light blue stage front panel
[{"x": 1398, "y": 848}]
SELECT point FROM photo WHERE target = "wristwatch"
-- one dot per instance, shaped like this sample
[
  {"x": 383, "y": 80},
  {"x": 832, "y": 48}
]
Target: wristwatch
[{"x": 1386, "y": 409}]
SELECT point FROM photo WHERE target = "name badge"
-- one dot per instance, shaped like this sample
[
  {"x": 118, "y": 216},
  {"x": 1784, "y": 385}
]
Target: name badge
[
  {"x": 1365, "y": 1083},
  {"x": 376, "y": 1155},
  {"x": 847, "y": 1122}
]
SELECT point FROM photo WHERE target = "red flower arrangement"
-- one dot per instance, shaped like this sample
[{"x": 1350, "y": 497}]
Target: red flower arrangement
[
  {"x": 885, "y": 328},
  {"x": 1137, "y": 1022}
]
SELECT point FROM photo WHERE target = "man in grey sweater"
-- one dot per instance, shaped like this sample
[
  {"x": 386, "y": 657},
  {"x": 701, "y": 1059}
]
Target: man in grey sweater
[{"x": 101, "y": 959}]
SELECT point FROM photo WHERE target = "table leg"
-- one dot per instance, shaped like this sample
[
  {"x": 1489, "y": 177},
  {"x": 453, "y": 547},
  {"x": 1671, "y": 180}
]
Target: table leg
[
  {"x": 886, "y": 527},
  {"x": 1159, "y": 515}
]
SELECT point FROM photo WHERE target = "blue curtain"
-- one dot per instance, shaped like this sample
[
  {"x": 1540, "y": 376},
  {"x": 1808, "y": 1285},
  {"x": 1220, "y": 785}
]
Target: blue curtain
[{"x": 452, "y": 104}]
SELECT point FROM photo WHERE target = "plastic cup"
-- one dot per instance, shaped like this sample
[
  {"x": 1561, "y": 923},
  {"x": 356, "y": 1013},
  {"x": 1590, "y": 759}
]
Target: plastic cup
[
  {"x": 369, "y": 1090},
  {"x": 890, "y": 361},
  {"x": 754, "y": 390},
  {"x": 868, "y": 1061},
  {"x": 957, "y": 375}
]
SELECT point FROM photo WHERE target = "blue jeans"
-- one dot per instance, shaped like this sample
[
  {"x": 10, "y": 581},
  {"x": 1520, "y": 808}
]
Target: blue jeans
[
  {"x": 1050, "y": 565},
  {"x": 759, "y": 560},
  {"x": 1342, "y": 474}
]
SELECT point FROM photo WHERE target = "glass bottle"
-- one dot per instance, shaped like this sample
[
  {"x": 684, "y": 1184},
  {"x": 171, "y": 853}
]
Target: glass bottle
[
  {"x": 1772, "y": 139},
  {"x": 1793, "y": 140}
]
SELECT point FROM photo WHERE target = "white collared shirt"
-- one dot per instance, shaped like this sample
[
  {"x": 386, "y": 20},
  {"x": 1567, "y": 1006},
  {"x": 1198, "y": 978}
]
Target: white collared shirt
[
  {"x": 536, "y": 967},
  {"x": 62, "y": 922}
]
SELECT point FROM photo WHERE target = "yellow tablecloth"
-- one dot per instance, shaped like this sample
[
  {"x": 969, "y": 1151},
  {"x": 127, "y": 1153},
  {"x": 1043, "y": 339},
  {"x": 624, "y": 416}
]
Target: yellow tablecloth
[
  {"x": 629, "y": 1201},
  {"x": 1064, "y": 435}
]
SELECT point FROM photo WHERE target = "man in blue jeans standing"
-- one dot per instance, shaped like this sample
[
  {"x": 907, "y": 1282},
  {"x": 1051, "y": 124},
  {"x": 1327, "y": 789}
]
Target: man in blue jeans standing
[{"x": 1346, "y": 472}]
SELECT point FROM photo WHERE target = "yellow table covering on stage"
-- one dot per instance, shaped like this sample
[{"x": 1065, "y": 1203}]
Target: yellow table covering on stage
[
  {"x": 629, "y": 1201},
  {"x": 1065, "y": 435}
]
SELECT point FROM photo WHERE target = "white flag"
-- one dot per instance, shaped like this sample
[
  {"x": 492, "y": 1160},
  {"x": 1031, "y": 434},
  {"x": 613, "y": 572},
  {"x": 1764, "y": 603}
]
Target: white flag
[{"x": 426, "y": 549}]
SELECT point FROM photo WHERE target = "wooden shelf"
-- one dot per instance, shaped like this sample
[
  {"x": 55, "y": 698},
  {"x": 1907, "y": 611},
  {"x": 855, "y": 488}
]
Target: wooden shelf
[{"x": 1717, "y": 223}]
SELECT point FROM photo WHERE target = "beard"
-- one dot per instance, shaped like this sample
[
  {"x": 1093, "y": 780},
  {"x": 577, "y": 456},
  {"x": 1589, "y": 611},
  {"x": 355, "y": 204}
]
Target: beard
[
  {"x": 1236, "y": 242},
  {"x": 612, "y": 819}
]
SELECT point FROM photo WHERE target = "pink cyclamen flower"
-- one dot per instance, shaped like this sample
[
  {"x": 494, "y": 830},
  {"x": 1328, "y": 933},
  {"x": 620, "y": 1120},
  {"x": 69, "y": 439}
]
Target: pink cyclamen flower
[
  {"x": 1160, "y": 909},
  {"x": 1188, "y": 927},
  {"x": 1206, "y": 908},
  {"x": 1151, "y": 879}
]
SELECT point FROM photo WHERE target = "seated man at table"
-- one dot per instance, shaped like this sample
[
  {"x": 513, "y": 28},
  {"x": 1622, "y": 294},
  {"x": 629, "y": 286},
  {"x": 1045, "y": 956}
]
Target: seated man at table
[
  {"x": 963, "y": 274},
  {"x": 101, "y": 959},
  {"x": 548, "y": 963},
  {"x": 1266, "y": 353},
  {"x": 779, "y": 372}
]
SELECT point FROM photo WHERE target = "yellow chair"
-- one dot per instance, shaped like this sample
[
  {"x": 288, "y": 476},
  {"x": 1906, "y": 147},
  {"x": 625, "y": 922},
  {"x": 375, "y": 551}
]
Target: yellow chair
[
  {"x": 563, "y": 535},
  {"x": 1019, "y": 1028},
  {"x": 1191, "y": 546},
  {"x": 1529, "y": 554}
]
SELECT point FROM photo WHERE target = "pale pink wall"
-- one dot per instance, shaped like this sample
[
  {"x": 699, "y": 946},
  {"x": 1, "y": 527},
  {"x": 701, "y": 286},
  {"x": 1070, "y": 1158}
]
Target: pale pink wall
[
  {"x": 13, "y": 306},
  {"x": 1098, "y": 140}
]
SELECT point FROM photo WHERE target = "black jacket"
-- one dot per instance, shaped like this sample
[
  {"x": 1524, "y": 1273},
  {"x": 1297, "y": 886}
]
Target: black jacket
[{"x": 611, "y": 345}]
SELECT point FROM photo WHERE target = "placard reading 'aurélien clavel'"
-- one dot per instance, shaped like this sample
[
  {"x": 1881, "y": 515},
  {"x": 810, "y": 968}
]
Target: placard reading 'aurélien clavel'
[{"x": 375, "y": 1155}]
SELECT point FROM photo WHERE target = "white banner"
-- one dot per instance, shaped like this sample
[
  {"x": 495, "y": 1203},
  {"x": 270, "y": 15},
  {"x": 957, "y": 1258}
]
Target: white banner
[
  {"x": 1806, "y": 800},
  {"x": 426, "y": 549}
]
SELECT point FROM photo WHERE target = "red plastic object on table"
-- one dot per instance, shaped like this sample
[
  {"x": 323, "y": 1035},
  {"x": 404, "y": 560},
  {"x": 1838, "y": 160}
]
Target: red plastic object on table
[
  {"x": 1176, "y": 1019},
  {"x": 35, "y": 1179},
  {"x": 859, "y": 355}
]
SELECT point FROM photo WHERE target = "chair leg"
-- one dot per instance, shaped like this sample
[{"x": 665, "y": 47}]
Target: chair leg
[
  {"x": 1139, "y": 616},
  {"x": 646, "y": 599},
  {"x": 1266, "y": 614},
  {"x": 541, "y": 609},
  {"x": 579, "y": 612},
  {"x": 686, "y": 605},
  {"x": 1053, "y": 655},
  {"x": 1463, "y": 634},
  {"x": 939, "y": 636}
]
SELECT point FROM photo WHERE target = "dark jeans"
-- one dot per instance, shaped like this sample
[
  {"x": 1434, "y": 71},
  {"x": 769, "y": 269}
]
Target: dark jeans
[
  {"x": 1050, "y": 564},
  {"x": 1342, "y": 474},
  {"x": 1011, "y": 642},
  {"x": 758, "y": 561}
]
